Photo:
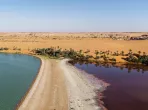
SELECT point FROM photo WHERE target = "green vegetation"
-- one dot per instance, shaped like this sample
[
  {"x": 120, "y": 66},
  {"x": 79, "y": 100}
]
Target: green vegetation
[
  {"x": 58, "y": 52},
  {"x": 53, "y": 52},
  {"x": 4, "y": 48},
  {"x": 80, "y": 55},
  {"x": 16, "y": 48},
  {"x": 138, "y": 58}
]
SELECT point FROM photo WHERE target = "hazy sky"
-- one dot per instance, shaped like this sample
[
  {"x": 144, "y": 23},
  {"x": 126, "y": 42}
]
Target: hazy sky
[{"x": 73, "y": 15}]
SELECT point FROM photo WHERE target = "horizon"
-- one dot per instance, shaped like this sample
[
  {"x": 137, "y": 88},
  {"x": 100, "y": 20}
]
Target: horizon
[
  {"x": 67, "y": 32},
  {"x": 73, "y": 16}
]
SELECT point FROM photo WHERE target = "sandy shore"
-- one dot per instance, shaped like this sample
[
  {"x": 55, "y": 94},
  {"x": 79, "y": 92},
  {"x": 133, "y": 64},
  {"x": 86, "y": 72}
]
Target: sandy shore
[
  {"x": 83, "y": 89},
  {"x": 60, "y": 86},
  {"x": 49, "y": 90}
]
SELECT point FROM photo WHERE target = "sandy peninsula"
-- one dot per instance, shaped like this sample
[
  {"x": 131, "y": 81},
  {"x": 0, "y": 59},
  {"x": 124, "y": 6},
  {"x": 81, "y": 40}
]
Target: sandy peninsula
[
  {"x": 48, "y": 91},
  {"x": 60, "y": 86},
  {"x": 83, "y": 88}
]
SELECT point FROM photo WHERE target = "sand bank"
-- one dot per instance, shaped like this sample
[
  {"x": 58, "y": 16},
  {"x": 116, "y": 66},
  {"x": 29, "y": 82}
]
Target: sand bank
[
  {"x": 48, "y": 91},
  {"x": 83, "y": 89},
  {"x": 60, "y": 86}
]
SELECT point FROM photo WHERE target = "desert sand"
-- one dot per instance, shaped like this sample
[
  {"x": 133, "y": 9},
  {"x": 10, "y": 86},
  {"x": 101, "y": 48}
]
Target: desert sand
[{"x": 77, "y": 41}]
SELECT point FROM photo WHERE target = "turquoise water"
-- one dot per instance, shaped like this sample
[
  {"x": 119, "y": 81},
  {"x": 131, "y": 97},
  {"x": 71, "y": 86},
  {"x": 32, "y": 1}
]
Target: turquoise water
[{"x": 16, "y": 75}]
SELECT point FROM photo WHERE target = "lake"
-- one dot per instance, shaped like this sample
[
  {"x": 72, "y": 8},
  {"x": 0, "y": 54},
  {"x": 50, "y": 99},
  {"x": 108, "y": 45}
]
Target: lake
[
  {"x": 128, "y": 88},
  {"x": 17, "y": 73}
]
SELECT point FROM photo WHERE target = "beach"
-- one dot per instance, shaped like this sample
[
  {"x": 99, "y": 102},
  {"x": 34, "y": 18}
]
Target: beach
[
  {"x": 48, "y": 91},
  {"x": 60, "y": 86},
  {"x": 83, "y": 88}
]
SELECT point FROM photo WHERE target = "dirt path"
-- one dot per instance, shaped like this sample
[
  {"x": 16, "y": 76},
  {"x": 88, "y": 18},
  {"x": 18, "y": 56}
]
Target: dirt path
[{"x": 49, "y": 90}]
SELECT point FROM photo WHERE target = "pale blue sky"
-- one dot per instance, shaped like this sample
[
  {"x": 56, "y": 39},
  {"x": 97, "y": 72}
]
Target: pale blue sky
[{"x": 73, "y": 15}]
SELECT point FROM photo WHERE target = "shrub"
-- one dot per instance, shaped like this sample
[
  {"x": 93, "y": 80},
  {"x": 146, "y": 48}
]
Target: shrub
[
  {"x": 5, "y": 48},
  {"x": 113, "y": 59}
]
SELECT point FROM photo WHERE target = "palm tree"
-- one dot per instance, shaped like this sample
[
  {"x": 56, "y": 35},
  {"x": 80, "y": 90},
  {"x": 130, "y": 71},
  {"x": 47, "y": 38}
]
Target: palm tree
[
  {"x": 87, "y": 51},
  {"x": 117, "y": 53},
  {"x": 105, "y": 58},
  {"x": 122, "y": 53},
  {"x": 130, "y": 51},
  {"x": 144, "y": 54},
  {"x": 139, "y": 52},
  {"x": 96, "y": 52},
  {"x": 80, "y": 51},
  {"x": 108, "y": 52},
  {"x": 101, "y": 52}
]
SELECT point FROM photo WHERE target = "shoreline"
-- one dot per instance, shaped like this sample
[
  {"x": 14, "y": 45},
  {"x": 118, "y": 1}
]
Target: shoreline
[
  {"x": 32, "y": 84},
  {"x": 88, "y": 88},
  {"x": 48, "y": 91},
  {"x": 82, "y": 75},
  {"x": 91, "y": 89},
  {"x": 29, "y": 89}
]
